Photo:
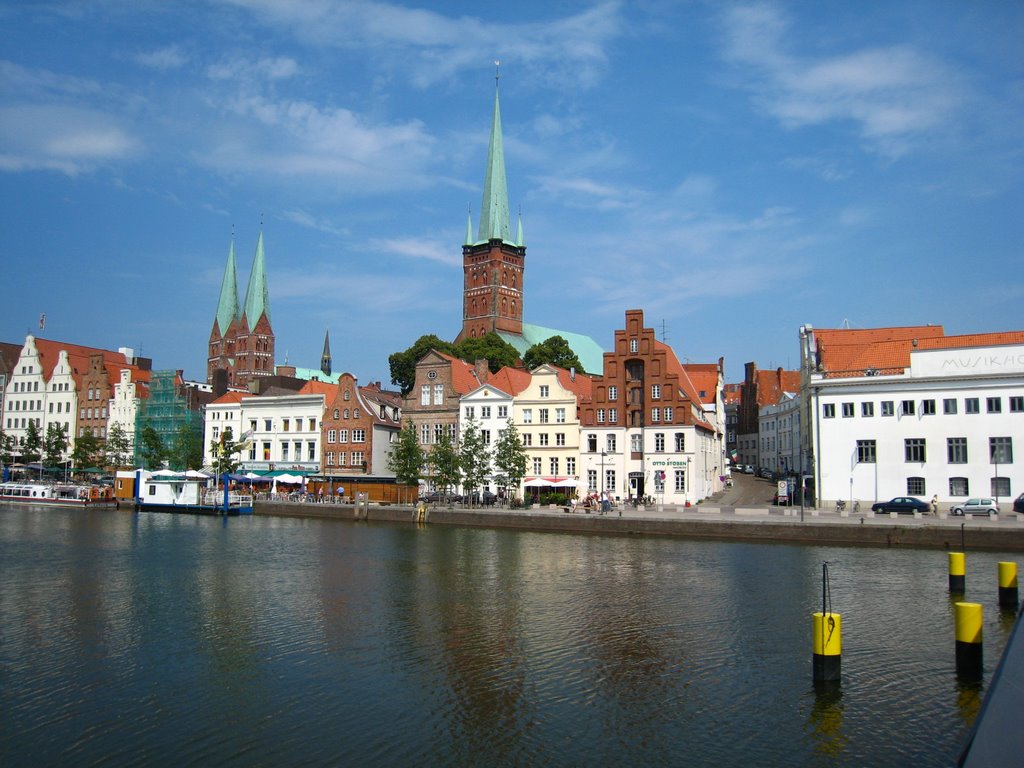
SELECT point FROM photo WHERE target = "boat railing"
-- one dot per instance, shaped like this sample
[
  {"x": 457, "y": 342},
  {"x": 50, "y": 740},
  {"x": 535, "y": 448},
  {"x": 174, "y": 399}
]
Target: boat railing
[{"x": 215, "y": 498}]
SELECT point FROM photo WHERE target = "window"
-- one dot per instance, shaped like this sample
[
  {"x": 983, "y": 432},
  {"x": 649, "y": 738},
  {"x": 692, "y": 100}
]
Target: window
[
  {"x": 486, "y": 435},
  {"x": 847, "y": 410},
  {"x": 544, "y": 390},
  {"x": 592, "y": 480},
  {"x": 613, "y": 415},
  {"x": 613, "y": 393},
  {"x": 560, "y": 438},
  {"x": 336, "y": 413},
  {"x": 358, "y": 459},
  {"x": 485, "y": 411},
  {"x": 994, "y": 404},
  {"x": 609, "y": 480},
  {"x": 668, "y": 413},
  {"x": 866, "y": 452},
  {"x": 600, "y": 415},
  {"x": 424, "y": 434},
  {"x": 570, "y": 465},
  {"x": 927, "y": 407},
  {"x": 949, "y": 407},
  {"x": 680, "y": 481},
  {"x": 527, "y": 415},
  {"x": 972, "y": 405},
  {"x": 342, "y": 459},
  {"x": 543, "y": 416},
  {"x": 358, "y": 435},
  {"x": 636, "y": 444},
  {"x": 268, "y": 425},
  {"x": 655, "y": 415},
  {"x": 560, "y": 415},
  {"x": 659, "y": 441},
  {"x": 527, "y": 439},
  {"x": 1017, "y": 404},
  {"x": 355, "y": 413},
  {"x": 329, "y": 457},
  {"x": 438, "y": 432},
  {"x": 1000, "y": 486},
  {"x": 591, "y": 442},
  {"x": 502, "y": 411},
  {"x": 536, "y": 465},
  {"x": 348, "y": 395},
  {"x": 439, "y": 394},
  {"x": 543, "y": 438},
  {"x": 958, "y": 486},
  {"x": 888, "y": 408},
  {"x": 655, "y": 391},
  {"x": 610, "y": 443},
  {"x": 659, "y": 484},
  {"x": 470, "y": 410},
  {"x": 311, "y": 451},
  {"x": 956, "y": 450},
  {"x": 907, "y": 407},
  {"x": 829, "y": 410},
  {"x": 914, "y": 450},
  {"x": 216, "y": 433},
  {"x": 553, "y": 465},
  {"x": 915, "y": 486},
  {"x": 284, "y": 451},
  {"x": 424, "y": 397},
  {"x": 343, "y": 435},
  {"x": 867, "y": 409},
  {"x": 285, "y": 425},
  {"x": 634, "y": 345},
  {"x": 680, "y": 442},
  {"x": 1000, "y": 451}
]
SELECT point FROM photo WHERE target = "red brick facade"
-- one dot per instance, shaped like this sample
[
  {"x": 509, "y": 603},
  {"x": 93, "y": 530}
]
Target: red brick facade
[{"x": 493, "y": 293}]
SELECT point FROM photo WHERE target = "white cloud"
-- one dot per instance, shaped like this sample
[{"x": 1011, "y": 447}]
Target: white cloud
[
  {"x": 437, "y": 250},
  {"x": 894, "y": 94},
  {"x": 163, "y": 59}
]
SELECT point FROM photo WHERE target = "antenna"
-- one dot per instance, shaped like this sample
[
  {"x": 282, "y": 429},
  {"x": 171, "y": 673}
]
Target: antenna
[
  {"x": 497, "y": 74},
  {"x": 664, "y": 332}
]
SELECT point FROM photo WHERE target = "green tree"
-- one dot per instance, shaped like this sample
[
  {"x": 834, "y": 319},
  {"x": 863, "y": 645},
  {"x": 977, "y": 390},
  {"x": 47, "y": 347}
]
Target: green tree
[
  {"x": 474, "y": 457},
  {"x": 403, "y": 364},
  {"x": 32, "y": 448},
  {"x": 55, "y": 444},
  {"x": 8, "y": 448},
  {"x": 407, "y": 460},
  {"x": 509, "y": 457},
  {"x": 226, "y": 452},
  {"x": 151, "y": 448},
  {"x": 88, "y": 450},
  {"x": 118, "y": 447},
  {"x": 490, "y": 347},
  {"x": 554, "y": 350},
  {"x": 444, "y": 461},
  {"x": 186, "y": 450}
]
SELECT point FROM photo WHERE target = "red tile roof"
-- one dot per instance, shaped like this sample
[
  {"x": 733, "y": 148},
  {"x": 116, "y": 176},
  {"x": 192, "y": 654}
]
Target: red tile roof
[
  {"x": 851, "y": 352},
  {"x": 464, "y": 378},
  {"x": 509, "y": 380},
  {"x": 78, "y": 358},
  {"x": 995, "y": 339}
]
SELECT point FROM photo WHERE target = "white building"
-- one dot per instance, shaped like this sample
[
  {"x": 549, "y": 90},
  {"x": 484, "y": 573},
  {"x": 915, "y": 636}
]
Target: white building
[
  {"x": 491, "y": 409},
  {"x": 909, "y": 411},
  {"x": 779, "y": 430},
  {"x": 124, "y": 406}
]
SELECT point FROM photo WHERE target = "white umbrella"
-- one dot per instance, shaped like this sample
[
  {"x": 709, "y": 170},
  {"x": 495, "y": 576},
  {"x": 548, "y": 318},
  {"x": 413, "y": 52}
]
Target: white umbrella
[
  {"x": 196, "y": 475},
  {"x": 289, "y": 478},
  {"x": 565, "y": 482},
  {"x": 165, "y": 473},
  {"x": 537, "y": 482}
]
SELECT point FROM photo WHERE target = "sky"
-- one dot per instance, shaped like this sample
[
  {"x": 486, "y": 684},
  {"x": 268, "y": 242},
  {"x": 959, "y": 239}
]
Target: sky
[{"x": 735, "y": 170}]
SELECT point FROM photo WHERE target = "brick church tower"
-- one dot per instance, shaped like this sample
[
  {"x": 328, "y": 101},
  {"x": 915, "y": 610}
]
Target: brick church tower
[
  {"x": 493, "y": 263},
  {"x": 242, "y": 338}
]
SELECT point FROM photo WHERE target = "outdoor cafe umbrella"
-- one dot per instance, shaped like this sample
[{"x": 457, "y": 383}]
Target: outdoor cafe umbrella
[{"x": 537, "y": 482}]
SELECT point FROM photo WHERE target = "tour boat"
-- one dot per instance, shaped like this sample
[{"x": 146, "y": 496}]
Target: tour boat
[
  {"x": 156, "y": 493},
  {"x": 56, "y": 494}
]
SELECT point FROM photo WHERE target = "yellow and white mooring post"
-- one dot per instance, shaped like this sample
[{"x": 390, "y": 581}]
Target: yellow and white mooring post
[
  {"x": 957, "y": 572},
  {"x": 1007, "y": 585},
  {"x": 967, "y": 620},
  {"x": 828, "y": 647}
]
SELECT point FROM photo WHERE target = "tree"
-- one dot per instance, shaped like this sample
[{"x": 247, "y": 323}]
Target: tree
[
  {"x": 8, "y": 448},
  {"x": 554, "y": 350},
  {"x": 407, "y": 459},
  {"x": 87, "y": 451},
  {"x": 490, "y": 347},
  {"x": 226, "y": 452},
  {"x": 186, "y": 450},
  {"x": 403, "y": 364},
  {"x": 119, "y": 446},
  {"x": 509, "y": 457},
  {"x": 55, "y": 444},
  {"x": 474, "y": 457},
  {"x": 32, "y": 448},
  {"x": 444, "y": 460},
  {"x": 151, "y": 448}
]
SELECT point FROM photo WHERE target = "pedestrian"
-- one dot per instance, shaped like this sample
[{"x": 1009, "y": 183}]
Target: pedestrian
[
  {"x": 606, "y": 504},
  {"x": 935, "y": 505}
]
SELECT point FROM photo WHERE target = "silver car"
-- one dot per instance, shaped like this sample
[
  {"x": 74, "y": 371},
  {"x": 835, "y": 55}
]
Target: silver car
[{"x": 975, "y": 507}]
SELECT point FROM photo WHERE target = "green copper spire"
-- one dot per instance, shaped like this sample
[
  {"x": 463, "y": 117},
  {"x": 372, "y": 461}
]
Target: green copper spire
[
  {"x": 325, "y": 358},
  {"x": 494, "y": 219},
  {"x": 519, "y": 232},
  {"x": 257, "y": 297},
  {"x": 469, "y": 229},
  {"x": 227, "y": 307}
]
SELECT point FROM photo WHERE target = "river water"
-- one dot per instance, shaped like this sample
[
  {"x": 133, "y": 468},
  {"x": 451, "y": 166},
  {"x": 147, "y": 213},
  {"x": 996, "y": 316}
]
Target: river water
[{"x": 158, "y": 639}]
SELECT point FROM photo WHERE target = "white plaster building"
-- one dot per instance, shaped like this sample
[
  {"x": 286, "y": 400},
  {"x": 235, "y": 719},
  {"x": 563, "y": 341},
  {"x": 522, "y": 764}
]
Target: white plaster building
[
  {"x": 909, "y": 411},
  {"x": 124, "y": 406},
  {"x": 779, "y": 430},
  {"x": 491, "y": 409}
]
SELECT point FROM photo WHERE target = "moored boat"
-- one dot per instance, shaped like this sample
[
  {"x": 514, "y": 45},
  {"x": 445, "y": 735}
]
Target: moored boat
[
  {"x": 56, "y": 494},
  {"x": 177, "y": 493}
]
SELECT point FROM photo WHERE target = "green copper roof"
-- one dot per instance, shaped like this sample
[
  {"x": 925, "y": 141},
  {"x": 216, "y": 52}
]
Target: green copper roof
[
  {"x": 494, "y": 218},
  {"x": 257, "y": 297},
  {"x": 589, "y": 352},
  {"x": 227, "y": 307},
  {"x": 469, "y": 230},
  {"x": 519, "y": 232}
]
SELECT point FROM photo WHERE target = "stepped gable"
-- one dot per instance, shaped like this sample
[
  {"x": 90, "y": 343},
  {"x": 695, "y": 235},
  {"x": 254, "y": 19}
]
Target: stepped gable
[
  {"x": 78, "y": 359},
  {"x": 687, "y": 388}
]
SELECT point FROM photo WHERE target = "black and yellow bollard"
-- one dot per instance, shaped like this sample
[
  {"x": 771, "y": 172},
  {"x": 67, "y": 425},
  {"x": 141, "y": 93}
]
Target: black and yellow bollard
[
  {"x": 957, "y": 572},
  {"x": 1007, "y": 585},
  {"x": 967, "y": 620},
  {"x": 828, "y": 647}
]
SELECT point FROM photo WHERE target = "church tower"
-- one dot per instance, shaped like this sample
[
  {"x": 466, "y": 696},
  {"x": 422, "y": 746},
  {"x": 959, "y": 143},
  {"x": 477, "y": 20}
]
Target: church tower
[
  {"x": 242, "y": 338},
  {"x": 325, "y": 358},
  {"x": 493, "y": 263}
]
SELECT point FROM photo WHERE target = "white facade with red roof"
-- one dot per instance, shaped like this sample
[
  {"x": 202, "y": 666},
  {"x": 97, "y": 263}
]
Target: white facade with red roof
[{"x": 912, "y": 412}]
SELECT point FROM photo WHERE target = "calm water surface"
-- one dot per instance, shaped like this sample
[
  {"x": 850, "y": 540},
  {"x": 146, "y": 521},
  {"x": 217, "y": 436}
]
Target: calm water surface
[{"x": 155, "y": 639}]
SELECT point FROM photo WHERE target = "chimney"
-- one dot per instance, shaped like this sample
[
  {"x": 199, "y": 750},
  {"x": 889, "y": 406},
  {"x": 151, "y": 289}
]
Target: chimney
[
  {"x": 572, "y": 374},
  {"x": 482, "y": 371}
]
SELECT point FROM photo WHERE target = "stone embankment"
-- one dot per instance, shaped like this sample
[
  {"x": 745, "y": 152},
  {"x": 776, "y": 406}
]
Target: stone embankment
[{"x": 756, "y": 524}]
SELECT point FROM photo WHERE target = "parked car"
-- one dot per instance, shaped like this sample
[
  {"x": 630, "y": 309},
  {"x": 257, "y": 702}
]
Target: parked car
[
  {"x": 766, "y": 473},
  {"x": 1018, "y": 504},
  {"x": 487, "y": 498},
  {"x": 903, "y": 505},
  {"x": 748, "y": 469},
  {"x": 981, "y": 506},
  {"x": 440, "y": 496}
]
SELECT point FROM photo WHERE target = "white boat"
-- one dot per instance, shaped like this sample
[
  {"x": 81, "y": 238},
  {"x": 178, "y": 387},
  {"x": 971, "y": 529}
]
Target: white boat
[
  {"x": 156, "y": 492},
  {"x": 56, "y": 494}
]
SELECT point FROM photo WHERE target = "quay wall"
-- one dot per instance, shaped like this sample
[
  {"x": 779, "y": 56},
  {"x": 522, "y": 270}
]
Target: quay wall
[{"x": 882, "y": 532}]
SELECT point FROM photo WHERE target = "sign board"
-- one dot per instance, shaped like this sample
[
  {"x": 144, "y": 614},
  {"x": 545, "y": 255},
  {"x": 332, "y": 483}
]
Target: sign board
[{"x": 783, "y": 489}]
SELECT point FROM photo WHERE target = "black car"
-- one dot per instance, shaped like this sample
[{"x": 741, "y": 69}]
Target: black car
[
  {"x": 440, "y": 496},
  {"x": 1018, "y": 504},
  {"x": 903, "y": 504},
  {"x": 487, "y": 498}
]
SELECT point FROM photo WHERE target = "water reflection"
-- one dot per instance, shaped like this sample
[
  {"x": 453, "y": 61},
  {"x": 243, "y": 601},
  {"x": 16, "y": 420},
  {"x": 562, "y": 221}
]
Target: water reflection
[{"x": 825, "y": 721}]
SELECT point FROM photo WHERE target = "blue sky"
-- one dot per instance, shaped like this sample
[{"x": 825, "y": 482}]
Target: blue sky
[{"x": 734, "y": 170}]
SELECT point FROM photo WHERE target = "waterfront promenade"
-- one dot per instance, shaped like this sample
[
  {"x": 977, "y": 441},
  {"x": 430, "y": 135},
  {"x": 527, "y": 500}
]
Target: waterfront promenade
[{"x": 705, "y": 521}]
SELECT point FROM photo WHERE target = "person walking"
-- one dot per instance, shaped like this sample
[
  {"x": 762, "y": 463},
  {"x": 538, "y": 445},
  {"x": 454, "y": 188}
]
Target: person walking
[{"x": 935, "y": 505}]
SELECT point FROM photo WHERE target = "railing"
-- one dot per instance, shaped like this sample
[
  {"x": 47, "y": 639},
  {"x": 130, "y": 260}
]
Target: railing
[{"x": 215, "y": 498}]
